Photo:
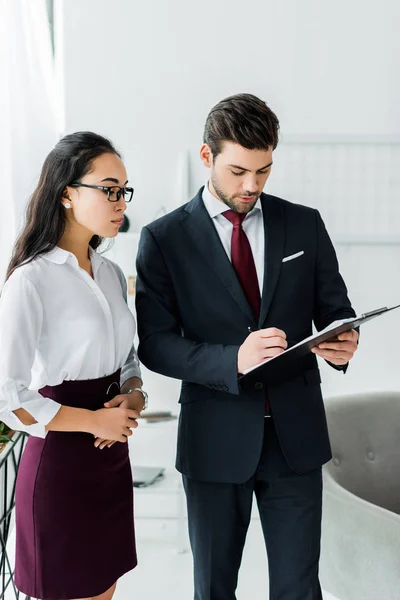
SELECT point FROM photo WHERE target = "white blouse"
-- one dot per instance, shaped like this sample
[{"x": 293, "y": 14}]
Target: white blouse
[{"x": 56, "y": 324}]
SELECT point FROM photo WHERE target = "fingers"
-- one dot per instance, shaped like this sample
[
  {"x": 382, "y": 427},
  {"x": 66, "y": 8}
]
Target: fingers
[
  {"x": 124, "y": 437},
  {"x": 101, "y": 443},
  {"x": 105, "y": 443},
  {"x": 132, "y": 414},
  {"x": 131, "y": 420},
  {"x": 271, "y": 332},
  {"x": 344, "y": 346},
  {"x": 274, "y": 342},
  {"x": 334, "y": 356},
  {"x": 271, "y": 352},
  {"x": 352, "y": 335},
  {"x": 271, "y": 346},
  {"x": 116, "y": 401}
]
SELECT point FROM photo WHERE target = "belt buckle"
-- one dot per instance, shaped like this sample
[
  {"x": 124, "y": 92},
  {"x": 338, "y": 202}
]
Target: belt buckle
[{"x": 111, "y": 393}]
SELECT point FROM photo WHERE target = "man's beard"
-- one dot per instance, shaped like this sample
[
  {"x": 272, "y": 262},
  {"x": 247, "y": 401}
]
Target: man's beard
[{"x": 233, "y": 202}]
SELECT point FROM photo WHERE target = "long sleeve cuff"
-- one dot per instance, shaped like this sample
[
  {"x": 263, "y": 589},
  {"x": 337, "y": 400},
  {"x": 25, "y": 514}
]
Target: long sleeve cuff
[
  {"x": 342, "y": 368},
  {"x": 12, "y": 421},
  {"x": 43, "y": 410}
]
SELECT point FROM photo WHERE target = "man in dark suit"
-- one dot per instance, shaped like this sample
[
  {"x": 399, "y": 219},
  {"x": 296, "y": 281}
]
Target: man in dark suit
[{"x": 225, "y": 282}]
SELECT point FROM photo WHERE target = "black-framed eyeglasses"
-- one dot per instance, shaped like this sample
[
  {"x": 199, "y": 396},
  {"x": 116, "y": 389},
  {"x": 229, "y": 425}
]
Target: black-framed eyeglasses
[{"x": 114, "y": 192}]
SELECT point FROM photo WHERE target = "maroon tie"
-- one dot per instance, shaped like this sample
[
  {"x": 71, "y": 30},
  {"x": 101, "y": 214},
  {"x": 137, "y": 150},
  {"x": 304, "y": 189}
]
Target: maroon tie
[{"x": 243, "y": 263}]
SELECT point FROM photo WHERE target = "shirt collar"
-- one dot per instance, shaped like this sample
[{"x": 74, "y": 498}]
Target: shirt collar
[
  {"x": 60, "y": 256},
  {"x": 215, "y": 207}
]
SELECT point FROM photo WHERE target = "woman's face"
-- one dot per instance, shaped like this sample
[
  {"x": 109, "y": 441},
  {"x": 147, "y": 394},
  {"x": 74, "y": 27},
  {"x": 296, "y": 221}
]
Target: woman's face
[{"x": 90, "y": 209}]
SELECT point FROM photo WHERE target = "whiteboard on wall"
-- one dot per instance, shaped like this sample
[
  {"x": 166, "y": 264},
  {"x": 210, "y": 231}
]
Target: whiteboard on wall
[{"x": 353, "y": 182}]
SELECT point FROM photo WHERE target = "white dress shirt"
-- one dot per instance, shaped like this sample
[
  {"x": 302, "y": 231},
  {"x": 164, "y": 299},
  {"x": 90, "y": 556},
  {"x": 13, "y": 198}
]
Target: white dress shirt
[
  {"x": 253, "y": 226},
  {"x": 57, "y": 323}
]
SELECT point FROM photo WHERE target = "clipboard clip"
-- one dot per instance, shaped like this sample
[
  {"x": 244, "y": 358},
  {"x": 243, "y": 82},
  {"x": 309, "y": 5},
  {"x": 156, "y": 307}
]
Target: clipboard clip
[{"x": 375, "y": 312}]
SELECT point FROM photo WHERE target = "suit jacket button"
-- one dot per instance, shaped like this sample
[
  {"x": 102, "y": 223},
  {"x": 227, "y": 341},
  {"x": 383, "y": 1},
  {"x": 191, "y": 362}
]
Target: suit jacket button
[{"x": 258, "y": 385}]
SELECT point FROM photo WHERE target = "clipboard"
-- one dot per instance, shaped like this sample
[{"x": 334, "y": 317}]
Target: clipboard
[{"x": 278, "y": 366}]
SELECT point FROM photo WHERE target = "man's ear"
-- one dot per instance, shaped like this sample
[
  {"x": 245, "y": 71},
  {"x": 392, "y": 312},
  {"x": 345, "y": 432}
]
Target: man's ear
[{"x": 206, "y": 156}]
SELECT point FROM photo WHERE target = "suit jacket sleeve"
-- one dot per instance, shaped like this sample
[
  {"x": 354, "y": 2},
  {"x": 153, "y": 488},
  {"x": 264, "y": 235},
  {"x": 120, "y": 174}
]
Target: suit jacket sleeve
[
  {"x": 331, "y": 301},
  {"x": 162, "y": 346}
]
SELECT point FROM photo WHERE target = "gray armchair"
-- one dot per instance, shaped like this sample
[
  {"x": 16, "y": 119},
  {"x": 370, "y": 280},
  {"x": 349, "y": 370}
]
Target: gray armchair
[{"x": 360, "y": 558}]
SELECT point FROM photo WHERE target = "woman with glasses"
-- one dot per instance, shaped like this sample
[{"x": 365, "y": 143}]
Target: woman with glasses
[{"x": 69, "y": 376}]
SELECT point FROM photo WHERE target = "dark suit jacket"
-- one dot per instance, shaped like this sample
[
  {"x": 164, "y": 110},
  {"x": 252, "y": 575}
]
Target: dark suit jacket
[{"x": 193, "y": 316}]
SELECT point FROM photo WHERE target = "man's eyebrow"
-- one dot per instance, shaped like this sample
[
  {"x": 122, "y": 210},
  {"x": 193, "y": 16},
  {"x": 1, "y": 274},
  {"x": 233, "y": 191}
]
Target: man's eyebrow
[{"x": 248, "y": 170}]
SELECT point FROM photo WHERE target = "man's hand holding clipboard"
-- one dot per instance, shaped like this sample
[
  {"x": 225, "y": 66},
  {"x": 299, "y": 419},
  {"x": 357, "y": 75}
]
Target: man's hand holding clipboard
[
  {"x": 336, "y": 343},
  {"x": 338, "y": 352}
]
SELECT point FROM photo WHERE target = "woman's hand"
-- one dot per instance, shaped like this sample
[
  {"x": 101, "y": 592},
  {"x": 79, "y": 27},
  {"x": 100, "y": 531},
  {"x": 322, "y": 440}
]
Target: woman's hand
[
  {"x": 114, "y": 424},
  {"x": 133, "y": 402}
]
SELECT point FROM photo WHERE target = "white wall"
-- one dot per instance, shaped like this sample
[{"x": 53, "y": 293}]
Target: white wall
[
  {"x": 28, "y": 114},
  {"x": 372, "y": 275},
  {"x": 147, "y": 73}
]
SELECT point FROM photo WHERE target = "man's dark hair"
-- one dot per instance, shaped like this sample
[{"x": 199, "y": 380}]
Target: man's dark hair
[{"x": 243, "y": 119}]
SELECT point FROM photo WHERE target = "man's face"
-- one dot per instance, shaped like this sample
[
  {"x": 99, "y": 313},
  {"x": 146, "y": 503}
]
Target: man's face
[{"x": 237, "y": 175}]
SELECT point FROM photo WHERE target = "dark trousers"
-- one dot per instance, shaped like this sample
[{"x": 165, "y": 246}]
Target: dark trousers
[{"x": 290, "y": 512}]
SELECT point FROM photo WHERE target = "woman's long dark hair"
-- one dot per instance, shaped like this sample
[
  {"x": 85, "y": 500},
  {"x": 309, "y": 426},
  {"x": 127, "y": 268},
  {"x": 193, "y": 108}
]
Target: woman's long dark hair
[{"x": 67, "y": 163}]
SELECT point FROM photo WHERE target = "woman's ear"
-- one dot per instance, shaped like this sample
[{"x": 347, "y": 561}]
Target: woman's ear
[{"x": 66, "y": 196}]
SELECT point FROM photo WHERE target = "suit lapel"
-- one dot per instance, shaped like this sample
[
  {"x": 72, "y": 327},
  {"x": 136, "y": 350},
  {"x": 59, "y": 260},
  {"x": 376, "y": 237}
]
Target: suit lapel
[
  {"x": 274, "y": 227},
  {"x": 201, "y": 230}
]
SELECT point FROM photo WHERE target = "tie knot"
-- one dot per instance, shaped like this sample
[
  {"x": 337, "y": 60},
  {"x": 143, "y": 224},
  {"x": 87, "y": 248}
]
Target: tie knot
[{"x": 235, "y": 218}]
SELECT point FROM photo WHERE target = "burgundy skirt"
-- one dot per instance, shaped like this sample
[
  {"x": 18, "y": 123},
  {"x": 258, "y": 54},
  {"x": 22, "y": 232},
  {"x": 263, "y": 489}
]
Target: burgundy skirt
[{"x": 74, "y": 506}]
